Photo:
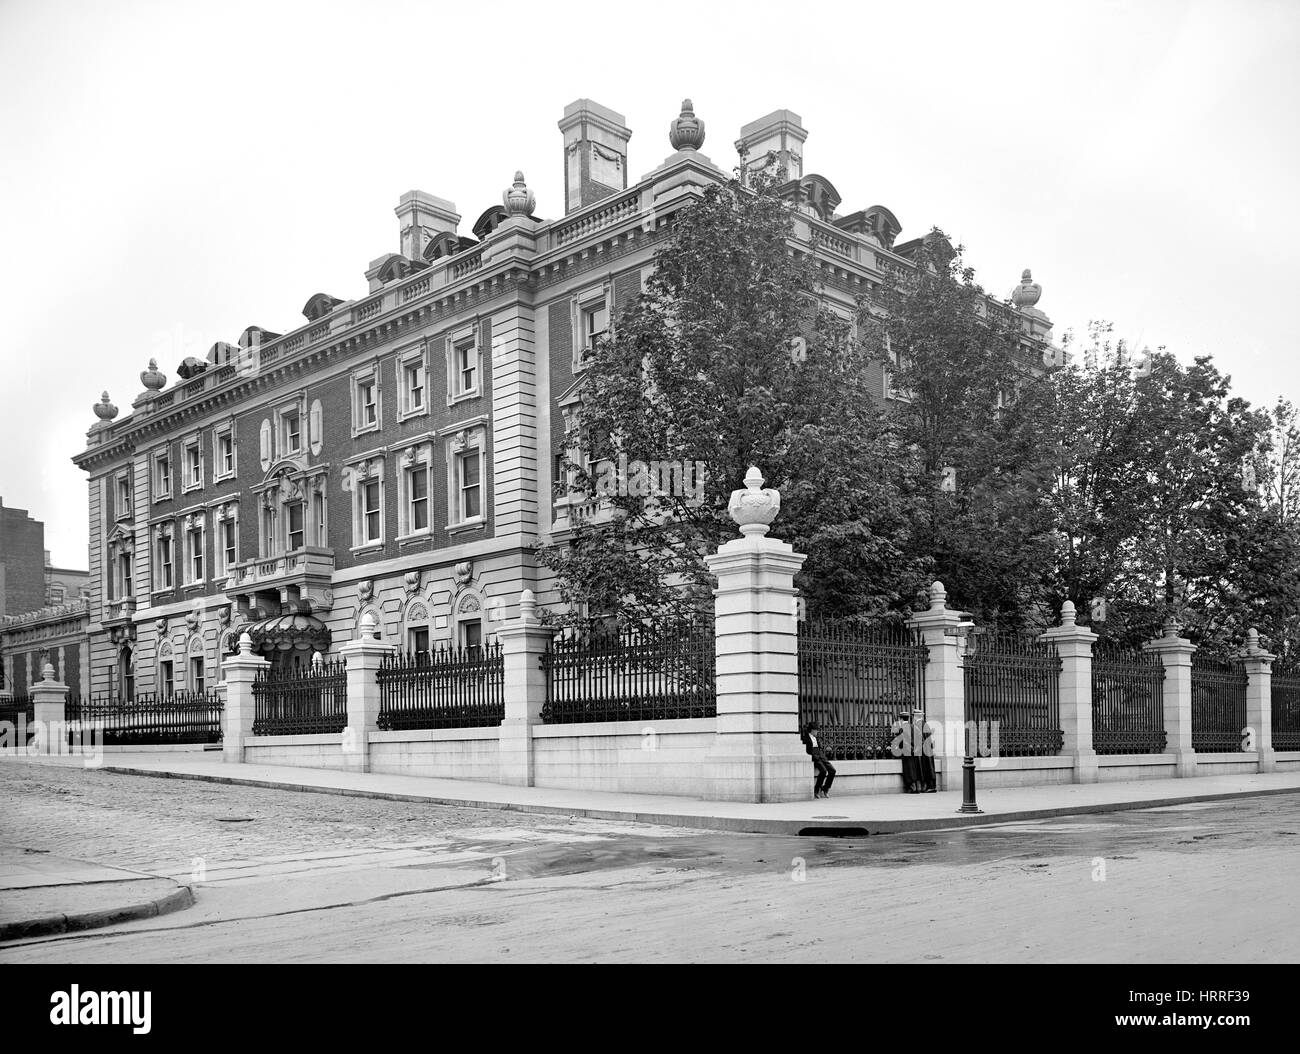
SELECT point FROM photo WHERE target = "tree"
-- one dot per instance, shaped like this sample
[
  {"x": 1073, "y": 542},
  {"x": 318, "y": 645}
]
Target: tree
[
  {"x": 730, "y": 360},
  {"x": 969, "y": 417}
]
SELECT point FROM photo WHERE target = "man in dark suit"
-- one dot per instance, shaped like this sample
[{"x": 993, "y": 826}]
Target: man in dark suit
[{"x": 821, "y": 765}]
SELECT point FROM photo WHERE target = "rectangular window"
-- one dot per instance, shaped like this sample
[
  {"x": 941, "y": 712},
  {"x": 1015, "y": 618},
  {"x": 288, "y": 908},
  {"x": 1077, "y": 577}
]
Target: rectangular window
[
  {"x": 471, "y": 637},
  {"x": 167, "y": 677},
  {"x": 193, "y": 465},
  {"x": 318, "y": 518},
  {"x": 228, "y": 544},
  {"x": 297, "y": 526},
  {"x": 196, "y": 674},
  {"x": 466, "y": 364},
  {"x": 370, "y": 512},
  {"x": 420, "y": 641},
  {"x": 595, "y": 323},
  {"x": 291, "y": 425},
  {"x": 123, "y": 497},
  {"x": 165, "y": 562},
  {"x": 56, "y": 594},
  {"x": 367, "y": 406},
  {"x": 163, "y": 479},
  {"x": 124, "y": 568},
  {"x": 226, "y": 453},
  {"x": 196, "y": 554},
  {"x": 414, "y": 374},
  {"x": 417, "y": 489},
  {"x": 268, "y": 532},
  {"x": 471, "y": 507}
]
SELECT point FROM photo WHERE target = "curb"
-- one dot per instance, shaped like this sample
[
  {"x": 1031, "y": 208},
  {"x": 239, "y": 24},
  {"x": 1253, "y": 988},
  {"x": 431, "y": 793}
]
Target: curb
[
  {"x": 734, "y": 824},
  {"x": 48, "y": 925}
]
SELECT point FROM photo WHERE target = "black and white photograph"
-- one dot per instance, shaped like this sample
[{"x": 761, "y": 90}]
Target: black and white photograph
[{"x": 698, "y": 483}]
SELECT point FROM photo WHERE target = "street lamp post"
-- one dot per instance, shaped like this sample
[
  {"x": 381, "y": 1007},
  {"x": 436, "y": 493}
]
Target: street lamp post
[{"x": 968, "y": 804}]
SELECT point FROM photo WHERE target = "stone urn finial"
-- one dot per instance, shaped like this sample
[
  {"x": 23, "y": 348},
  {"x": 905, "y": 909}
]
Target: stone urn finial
[
  {"x": 527, "y": 606},
  {"x": 47, "y": 672},
  {"x": 105, "y": 410},
  {"x": 687, "y": 132},
  {"x": 245, "y": 644},
  {"x": 1068, "y": 613},
  {"x": 938, "y": 596},
  {"x": 1172, "y": 627},
  {"x": 1252, "y": 643},
  {"x": 754, "y": 508},
  {"x": 369, "y": 626},
  {"x": 1026, "y": 294},
  {"x": 153, "y": 378},
  {"x": 518, "y": 199}
]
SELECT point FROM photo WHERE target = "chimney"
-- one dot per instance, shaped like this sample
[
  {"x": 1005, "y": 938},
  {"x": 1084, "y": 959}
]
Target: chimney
[
  {"x": 422, "y": 218},
  {"x": 595, "y": 153},
  {"x": 774, "y": 140}
]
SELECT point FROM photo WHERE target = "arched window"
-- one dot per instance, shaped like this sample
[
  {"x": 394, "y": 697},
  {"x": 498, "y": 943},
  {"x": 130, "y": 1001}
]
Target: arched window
[
  {"x": 416, "y": 628},
  {"x": 166, "y": 670},
  {"x": 126, "y": 673},
  {"x": 469, "y": 622},
  {"x": 196, "y": 680}
]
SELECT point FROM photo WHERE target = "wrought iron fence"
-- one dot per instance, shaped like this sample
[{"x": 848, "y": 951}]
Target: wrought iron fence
[
  {"x": 1218, "y": 704},
  {"x": 147, "y": 719},
  {"x": 639, "y": 674},
  {"x": 1013, "y": 683},
  {"x": 1285, "y": 705},
  {"x": 1128, "y": 715},
  {"x": 19, "y": 711},
  {"x": 300, "y": 701},
  {"x": 854, "y": 681},
  {"x": 446, "y": 688}
]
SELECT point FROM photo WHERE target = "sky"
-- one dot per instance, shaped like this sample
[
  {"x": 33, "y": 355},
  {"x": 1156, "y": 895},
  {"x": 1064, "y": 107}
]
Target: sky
[{"x": 174, "y": 172}]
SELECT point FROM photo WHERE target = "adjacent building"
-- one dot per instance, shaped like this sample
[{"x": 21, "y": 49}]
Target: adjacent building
[{"x": 397, "y": 453}]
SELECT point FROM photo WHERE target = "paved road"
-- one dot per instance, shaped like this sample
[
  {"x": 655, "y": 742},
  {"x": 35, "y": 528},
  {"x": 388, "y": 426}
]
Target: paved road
[{"x": 291, "y": 877}]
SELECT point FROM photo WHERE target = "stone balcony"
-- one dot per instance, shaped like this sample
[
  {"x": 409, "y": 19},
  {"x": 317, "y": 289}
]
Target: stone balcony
[
  {"x": 121, "y": 609},
  {"x": 304, "y": 574}
]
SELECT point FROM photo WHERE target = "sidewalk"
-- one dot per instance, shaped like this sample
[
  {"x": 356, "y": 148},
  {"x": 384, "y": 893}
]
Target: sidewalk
[
  {"x": 857, "y": 815},
  {"x": 43, "y": 894}
]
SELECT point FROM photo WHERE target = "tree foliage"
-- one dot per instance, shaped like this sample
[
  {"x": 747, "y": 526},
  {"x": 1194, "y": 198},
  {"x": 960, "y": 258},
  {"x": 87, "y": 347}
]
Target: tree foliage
[
  {"x": 729, "y": 360},
  {"x": 1137, "y": 479}
]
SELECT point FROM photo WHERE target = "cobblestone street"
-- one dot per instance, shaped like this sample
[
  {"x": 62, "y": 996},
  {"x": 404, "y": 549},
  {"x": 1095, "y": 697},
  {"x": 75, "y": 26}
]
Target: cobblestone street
[{"x": 297, "y": 877}]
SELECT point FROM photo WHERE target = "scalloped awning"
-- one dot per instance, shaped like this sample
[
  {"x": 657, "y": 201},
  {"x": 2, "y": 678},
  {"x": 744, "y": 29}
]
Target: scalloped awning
[{"x": 287, "y": 632}]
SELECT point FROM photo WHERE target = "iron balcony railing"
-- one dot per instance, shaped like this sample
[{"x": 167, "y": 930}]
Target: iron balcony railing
[
  {"x": 1218, "y": 705},
  {"x": 855, "y": 681},
  {"x": 301, "y": 701},
  {"x": 445, "y": 688},
  {"x": 1013, "y": 685},
  {"x": 1286, "y": 705},
  {"x": 639, "y": 674},
  {"x": 1128, "y": 715},
  {"x": 147, "y": 719}
]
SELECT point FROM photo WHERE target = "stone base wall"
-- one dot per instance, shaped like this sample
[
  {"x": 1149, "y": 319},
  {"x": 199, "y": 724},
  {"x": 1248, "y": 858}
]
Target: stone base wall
[
  {"x": 324, "y": 751},
  {"x": 443, "y": 753},
  {"x": 1227, "y": 764},
  {"x": 666, "y": 757}
]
